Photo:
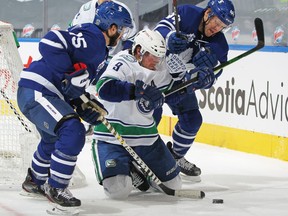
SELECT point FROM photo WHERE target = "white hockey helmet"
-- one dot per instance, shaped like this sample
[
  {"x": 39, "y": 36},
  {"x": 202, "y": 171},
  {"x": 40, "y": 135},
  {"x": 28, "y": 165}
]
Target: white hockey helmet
[{"x": 150, "y": 41}]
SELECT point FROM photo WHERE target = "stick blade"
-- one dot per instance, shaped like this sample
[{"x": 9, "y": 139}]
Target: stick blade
[{"x": 260, "y": 32}]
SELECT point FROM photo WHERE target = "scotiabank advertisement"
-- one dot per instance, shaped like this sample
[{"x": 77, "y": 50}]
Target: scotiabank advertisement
[{"x": 251, "y": 94}]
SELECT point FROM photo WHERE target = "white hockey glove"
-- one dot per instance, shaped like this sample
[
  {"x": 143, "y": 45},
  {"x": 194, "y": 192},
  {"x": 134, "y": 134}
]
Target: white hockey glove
[{"x": 178, "y": 64}]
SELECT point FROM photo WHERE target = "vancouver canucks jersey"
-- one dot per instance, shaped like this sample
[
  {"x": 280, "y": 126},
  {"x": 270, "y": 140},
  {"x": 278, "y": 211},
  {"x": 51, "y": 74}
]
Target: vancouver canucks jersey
[
  {"x": 86, "y": 14},
  {"x": 131, "y": 118},
  {"x": 60, "y": 50},
  {"x": 190, "y": 17}
]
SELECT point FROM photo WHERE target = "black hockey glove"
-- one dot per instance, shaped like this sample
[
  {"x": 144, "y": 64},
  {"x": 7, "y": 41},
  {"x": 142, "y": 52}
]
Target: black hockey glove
[
  {"x": 151, "y": 94},
  {"x": 87, "y": 112}
]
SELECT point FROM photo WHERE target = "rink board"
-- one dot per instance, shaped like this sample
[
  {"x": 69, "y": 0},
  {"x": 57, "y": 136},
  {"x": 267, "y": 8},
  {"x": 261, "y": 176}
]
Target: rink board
[{"x": 236, "y": 139}]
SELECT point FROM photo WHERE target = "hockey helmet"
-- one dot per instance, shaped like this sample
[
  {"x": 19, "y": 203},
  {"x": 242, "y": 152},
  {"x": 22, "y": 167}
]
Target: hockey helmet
[
  {"x": 109, "y": 13},
  {"x": 150, "y": 41},
  {"x": 223, "y": 9}
]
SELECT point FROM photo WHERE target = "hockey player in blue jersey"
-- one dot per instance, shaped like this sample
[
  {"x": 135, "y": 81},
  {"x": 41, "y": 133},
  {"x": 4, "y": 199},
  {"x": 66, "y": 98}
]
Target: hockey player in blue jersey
[
  {"x": 48, "y": 95},
  {"x": 199, "y": 43},
  {"x": 86, "y": 14}
]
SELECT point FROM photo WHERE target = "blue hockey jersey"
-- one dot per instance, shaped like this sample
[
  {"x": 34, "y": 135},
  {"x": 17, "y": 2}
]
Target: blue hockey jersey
[
  {"x": 60, "y": 50},
  {"x": 190, "y": 17}
]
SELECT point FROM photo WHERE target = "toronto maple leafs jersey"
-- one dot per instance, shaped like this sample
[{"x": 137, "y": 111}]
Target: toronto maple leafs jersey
[
  {"x": 190, "y": 17},
  {"x": 60, "y": 50},
  {"x": 131, "y": 118}
]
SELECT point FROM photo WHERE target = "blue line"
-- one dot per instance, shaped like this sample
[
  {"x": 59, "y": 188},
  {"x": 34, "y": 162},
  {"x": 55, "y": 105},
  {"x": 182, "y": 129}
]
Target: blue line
[
  {"x": 29, "y": 39},
  {"x": 264, "y": 49}
]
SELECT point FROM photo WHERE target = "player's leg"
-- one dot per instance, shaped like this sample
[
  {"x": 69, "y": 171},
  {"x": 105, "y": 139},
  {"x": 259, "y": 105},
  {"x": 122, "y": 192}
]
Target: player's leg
[
  {"x": 38, "y": 173},
  {"x": 160, "y": 161},
  {"x": 184, "y": 133},
  {"x": 112, "y": 168},
  {"x": 60, "y": 127}
]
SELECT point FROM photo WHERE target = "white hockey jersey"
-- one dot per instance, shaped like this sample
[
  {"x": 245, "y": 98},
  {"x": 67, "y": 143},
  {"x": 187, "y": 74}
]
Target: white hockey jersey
[{"x": 130, "y": 118}]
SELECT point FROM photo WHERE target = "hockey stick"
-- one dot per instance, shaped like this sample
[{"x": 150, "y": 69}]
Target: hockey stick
[
  {"x": 15, "y": 111},
  {"x": 187, "y": 193},
  {"x": 261, "y": 43},
  {"x": 176, "y": 16}
]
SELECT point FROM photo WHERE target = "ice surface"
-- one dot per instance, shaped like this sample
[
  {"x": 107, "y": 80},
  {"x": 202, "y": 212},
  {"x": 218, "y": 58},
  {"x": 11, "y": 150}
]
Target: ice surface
[{"x": 250, "y": 185}]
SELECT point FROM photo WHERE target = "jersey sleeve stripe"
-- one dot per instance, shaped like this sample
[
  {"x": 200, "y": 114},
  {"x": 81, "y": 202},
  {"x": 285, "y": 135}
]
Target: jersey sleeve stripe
[
  {"x": 61, "y": 38},
  {"x": 167, "y": 24},
  {"x": 51, "y": 43}
]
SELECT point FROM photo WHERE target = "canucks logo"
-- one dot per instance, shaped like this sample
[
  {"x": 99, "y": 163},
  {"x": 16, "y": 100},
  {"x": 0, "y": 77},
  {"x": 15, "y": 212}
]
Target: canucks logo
[
  {"x": 110, "y": 163},
  {"x": 143, "y": 106}
]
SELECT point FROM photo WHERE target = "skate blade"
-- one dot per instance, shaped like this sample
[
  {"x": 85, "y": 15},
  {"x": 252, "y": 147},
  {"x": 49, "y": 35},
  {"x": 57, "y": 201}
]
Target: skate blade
[
  {"x": 192, "y": 179},
  {"x": 57, "y": 210},
  {"x": 32, "y": 195}
]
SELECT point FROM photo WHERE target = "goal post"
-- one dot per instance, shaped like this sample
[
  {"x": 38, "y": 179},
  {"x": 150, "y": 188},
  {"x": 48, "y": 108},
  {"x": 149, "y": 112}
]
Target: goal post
[
  {"x": 12, "y": 133},
  {"x": 18, "y": 137}
]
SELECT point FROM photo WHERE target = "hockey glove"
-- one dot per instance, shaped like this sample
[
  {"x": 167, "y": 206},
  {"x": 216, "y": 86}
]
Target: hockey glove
[
  {"x": 177, "y": 43},
  {"x": 87, "y": 112},
  {"x": 178, "y": 64},
  {"x": 74, "y": 83},
  {"x": 149, "y": 93},
  {"x": 205, "y": 58},
  {"x": 206, "y": 78}
]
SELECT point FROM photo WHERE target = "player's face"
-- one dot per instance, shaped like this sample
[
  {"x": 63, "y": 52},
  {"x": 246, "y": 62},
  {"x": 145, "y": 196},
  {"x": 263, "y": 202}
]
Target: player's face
[
  {"x": 114, "y": 34},
  {"x": 213, "y": 26},
  {"x": 150, "y": 61}
]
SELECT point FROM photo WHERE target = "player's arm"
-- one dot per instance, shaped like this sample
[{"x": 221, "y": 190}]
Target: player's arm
[
  {"x": 176, "y": 41},
  {"x": 114, "y": 89},
  {"x": 53, "y": 48}
]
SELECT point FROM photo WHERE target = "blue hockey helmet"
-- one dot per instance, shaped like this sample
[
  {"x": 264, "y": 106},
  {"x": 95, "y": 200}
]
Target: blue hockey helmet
[
  {"x": 109, "y": 13},
  {"x": 223, "y": 9}
]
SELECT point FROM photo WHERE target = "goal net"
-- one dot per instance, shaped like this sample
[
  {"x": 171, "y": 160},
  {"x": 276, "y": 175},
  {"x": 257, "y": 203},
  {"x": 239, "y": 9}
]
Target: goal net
[{"x": 18, "y": 137}]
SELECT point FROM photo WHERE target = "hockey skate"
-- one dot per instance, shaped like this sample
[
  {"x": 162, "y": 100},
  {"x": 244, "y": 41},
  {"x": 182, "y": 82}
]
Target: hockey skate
[
  {"x": 189, "y": 171},
  {"x": 62, "y": 200},
  {"x": 139, "y": 180},
  {"x": 30, "y": 188}
]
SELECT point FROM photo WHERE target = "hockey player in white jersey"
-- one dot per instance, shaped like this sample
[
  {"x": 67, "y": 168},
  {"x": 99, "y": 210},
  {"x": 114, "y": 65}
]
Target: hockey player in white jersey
[
  {"x": 129, "y": 89},
  {"x": 200, "y": 38},
  {"x": 86, "y": 15},
  {"x": 48, "y": 95}
]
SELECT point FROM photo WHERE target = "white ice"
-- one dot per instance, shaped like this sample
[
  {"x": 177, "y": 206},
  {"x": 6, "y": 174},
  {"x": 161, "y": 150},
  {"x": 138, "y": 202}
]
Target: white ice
[{"x": 250, "y": 185}]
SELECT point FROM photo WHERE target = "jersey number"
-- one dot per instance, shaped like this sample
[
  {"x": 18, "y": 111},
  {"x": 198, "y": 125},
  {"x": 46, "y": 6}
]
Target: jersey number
[
  {"x": 117, "y": 66},
  {"x": 78, "y": 40}
]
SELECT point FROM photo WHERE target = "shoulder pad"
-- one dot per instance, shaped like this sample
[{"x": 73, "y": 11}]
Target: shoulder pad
[{"x": 128, "y": 57}]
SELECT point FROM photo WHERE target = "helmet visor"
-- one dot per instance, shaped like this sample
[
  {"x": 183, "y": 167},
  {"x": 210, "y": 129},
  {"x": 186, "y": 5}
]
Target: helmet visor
[{"x": 125, "y": 32}]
